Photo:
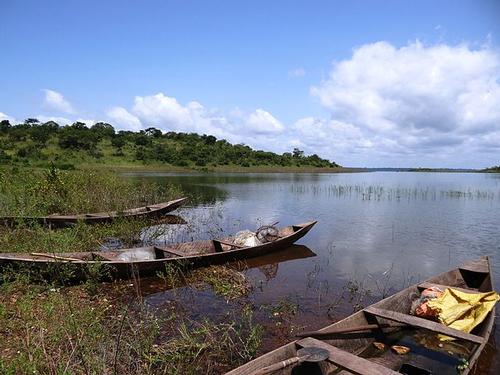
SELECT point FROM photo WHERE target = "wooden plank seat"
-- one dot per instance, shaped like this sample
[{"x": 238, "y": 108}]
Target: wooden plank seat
[
  {"x": 218, "y": 245},
  {"x": 171, "y": 251},
  {"x": 426, "y": 285},
  {"x": 479, "y": 266},
  {"x": 423, "y": 323},
  {"x": 346, "y": 360}
]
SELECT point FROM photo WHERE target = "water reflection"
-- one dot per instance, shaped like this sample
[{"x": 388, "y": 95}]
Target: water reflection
[
  {"x": 377, "y": 232},
  {"x": 154, "y": 289}
]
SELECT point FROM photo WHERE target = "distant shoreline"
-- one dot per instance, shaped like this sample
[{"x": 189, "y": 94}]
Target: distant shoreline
[
  {"x": 271, "y": 169},
  {"x": 168, "y": 168}
]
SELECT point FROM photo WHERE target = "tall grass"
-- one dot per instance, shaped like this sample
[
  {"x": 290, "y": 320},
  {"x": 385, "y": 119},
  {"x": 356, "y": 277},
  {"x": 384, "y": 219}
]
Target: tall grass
[
  {"x": 26, "y": 192},
  {"x": 49, "y": 327},
  {"x": 396, "y": 193}
]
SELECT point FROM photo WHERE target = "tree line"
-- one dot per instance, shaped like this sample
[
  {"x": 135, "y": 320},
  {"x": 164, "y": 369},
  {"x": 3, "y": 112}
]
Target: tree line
[{"x": 33, "y": 140}]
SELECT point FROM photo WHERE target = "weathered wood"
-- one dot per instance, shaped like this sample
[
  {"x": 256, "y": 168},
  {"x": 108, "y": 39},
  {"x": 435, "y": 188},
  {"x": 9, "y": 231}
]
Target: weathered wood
[
  {"x": 346, "y": 360},
  {"x": 399, "y": 303},
  {"x": 423, "y": 323},
  {"x": 230, "y": 244},
  {"x": 366, "y": 327},
  {"x": 58, "y": 220},
  {"x": 279, "y": 366},
  {"x": 151, "y": 259},
  {"x": 103, "y": 255},
  {"x": 426, "y": 285},
  {"x": 56, "y": 257},
  {"x": 171, "y": 251},
  {"x": 479, "y": 265}
]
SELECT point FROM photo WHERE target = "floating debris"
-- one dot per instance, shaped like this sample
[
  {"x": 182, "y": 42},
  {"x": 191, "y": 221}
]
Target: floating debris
[
  {"x": 379, "y": 345},
  {"x": 401, "y": 350}
]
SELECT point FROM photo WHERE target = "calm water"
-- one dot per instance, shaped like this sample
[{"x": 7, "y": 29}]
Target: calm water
[{"x": 377, "y": 232}]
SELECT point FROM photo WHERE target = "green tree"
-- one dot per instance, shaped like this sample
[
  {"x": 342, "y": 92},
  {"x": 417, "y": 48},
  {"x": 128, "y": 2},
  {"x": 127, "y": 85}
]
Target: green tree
[
  {"x": 297, "y": 153},
  {"x": 153, "y": 132},
  {"x": 5, "y": 126},
  {"x": 31, "y": 121},
  {"x": 103, "y": 130},
  {"x": 118, "y": 141},
  {"x": 78, "y": 137}
]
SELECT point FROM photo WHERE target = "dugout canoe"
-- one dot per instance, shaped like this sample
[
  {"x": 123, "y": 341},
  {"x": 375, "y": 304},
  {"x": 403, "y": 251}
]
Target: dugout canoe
[
  {"x": 145, "y": 261},
  {"x": 350, "y": 341},
  {"x": 56, "y": 220}
]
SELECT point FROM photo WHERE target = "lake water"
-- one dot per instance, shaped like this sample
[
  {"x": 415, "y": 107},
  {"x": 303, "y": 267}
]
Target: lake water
[{"x": 377, "y": 232}]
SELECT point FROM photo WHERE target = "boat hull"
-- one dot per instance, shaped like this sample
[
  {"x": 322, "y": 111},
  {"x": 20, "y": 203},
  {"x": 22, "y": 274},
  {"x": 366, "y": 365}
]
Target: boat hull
[
  {"x": 474, "y": 276},
  {"x": 60, "y": 221},
  {"x": 130, "y": 269}
]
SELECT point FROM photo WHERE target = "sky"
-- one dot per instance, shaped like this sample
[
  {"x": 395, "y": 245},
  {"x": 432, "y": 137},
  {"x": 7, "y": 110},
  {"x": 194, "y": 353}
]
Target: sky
[{"x": 362, "y": 83}]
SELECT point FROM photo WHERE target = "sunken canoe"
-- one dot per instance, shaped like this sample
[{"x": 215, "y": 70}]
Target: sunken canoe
[
  {"x": 56, "y": 220},
  {"x": 143, "y": 261},
  {"x": 350, "y": 341}
]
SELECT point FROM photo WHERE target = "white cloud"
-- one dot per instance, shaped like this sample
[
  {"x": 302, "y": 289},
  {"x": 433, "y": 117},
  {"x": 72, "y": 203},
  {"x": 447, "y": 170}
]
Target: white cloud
[
  {"x": 87, "y": 121},
  {"x": 296, "y": 73},
  {"x": 4, "y": 116},
  {"x": 121, "y": 118},
  {"x": 162, "y": 109},
  {"x": 167, "y": 114},
  {"x": 64, "y": 120},
  {"x": 414, "y": 105},
  {"x": 417, "y": 100},
  {"x": 262, "y": 122},
  {"x": 56, "y": 101},
  {"x": 60, "y": 120}
]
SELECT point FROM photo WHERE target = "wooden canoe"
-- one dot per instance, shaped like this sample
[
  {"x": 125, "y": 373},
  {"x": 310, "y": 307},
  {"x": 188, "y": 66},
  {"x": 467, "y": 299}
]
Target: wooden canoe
[
  {"x": 56, "y": 220},
  {"x": 148, "y": 260},
  {"x": 352, "y": 351}
]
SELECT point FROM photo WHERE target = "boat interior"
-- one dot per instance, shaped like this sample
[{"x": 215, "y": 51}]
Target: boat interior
[
  {"x": 162, "y": 252},
  {"x": 353, "y": 351}
]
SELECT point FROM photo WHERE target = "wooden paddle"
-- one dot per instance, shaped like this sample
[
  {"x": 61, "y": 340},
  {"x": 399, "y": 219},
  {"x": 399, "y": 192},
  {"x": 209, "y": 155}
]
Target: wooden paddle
[
  {"x": 308, "y": 354},
  {"x": 367, "y": 327},
  {"x": 57, "y": 257}
]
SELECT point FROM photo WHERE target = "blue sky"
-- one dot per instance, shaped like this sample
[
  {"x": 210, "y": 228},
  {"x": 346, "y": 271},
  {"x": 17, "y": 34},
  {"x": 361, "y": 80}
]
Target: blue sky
[{"x": 274, "y": 75}]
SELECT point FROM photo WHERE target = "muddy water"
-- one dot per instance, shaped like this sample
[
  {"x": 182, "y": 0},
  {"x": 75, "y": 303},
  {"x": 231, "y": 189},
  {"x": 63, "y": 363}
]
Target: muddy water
[{"x": 377, "y": 233}]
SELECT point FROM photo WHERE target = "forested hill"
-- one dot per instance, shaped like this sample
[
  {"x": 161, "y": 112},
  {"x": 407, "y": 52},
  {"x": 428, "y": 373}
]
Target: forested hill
[
  {"x": 495, "y": 169},
  {"x": 38, "y": 144}
]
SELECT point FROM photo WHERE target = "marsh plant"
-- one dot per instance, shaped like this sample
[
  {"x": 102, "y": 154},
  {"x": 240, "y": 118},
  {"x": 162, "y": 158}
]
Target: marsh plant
[
  {"x": 394, "y": 193},
  {"x": 354, "y": 293},
  {"x": 208, "y": 347}
]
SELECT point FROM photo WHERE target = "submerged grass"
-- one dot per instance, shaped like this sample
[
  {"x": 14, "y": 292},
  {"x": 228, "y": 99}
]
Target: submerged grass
[
  {"x": 206, "y": 347},
  {"x": 397, "y": 193},
  {"x": 225, "y": 281}
]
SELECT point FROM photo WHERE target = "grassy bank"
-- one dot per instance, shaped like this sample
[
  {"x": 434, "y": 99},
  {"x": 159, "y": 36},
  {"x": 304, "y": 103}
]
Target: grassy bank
[
  {"x": 159, "y": 167},
  {"x": 52, "y": 329},
  {"x": 48, "y": 326}
]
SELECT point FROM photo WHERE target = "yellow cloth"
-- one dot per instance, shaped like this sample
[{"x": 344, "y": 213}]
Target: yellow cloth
[{"x": 463, "y": 311}]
